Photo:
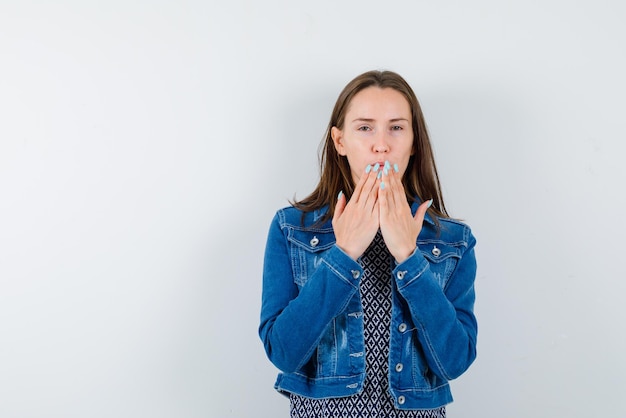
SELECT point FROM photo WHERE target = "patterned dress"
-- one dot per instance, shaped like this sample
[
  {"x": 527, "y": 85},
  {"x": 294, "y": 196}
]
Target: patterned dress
[{"x": 375, "y": 400}]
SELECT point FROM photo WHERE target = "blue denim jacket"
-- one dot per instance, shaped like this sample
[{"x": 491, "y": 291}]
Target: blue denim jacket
[{"x": 312, "y": 317}]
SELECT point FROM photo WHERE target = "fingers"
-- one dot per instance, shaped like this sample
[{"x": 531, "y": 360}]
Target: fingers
[
  {"x": 391, "y": 193},
  {"x": 340, "y": 207},
  {"x": 397, "y": 188},
  {"x": 358, "y": 187},
  {"x": 356, "y": 221},
  {"x": 421, "y": 211},
  {"x": 366, "y": 192},
  {"x": 397, "y": 224}
]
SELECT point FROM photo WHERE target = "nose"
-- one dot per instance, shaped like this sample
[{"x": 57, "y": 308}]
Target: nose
[{"x": 381, "y": 145}]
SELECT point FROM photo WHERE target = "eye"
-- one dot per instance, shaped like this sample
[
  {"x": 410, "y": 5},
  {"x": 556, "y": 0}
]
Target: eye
[
  {"x": 364, "y": 128},
  {"x": 396, "y": 128}
]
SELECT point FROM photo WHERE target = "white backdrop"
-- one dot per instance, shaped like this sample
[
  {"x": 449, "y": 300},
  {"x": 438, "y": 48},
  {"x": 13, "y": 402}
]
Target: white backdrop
[{"x": 144, "y": 147}]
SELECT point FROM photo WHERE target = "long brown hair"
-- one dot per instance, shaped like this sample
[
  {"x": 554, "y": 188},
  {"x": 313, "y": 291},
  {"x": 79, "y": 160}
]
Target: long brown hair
[{"x": 420, "y": 179}]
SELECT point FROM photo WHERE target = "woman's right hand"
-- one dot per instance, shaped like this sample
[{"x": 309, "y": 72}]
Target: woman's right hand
[{"x": 356, "y": 222}]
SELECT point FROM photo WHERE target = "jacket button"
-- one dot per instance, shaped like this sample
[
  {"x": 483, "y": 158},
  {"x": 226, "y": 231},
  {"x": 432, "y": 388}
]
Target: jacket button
[
  {"x": 314, "y": 241},
  {"x": 400, "y": 275},
  {"x": 401, "y": 400},
  {"x": 402, "y": 327},
  {"x": 355, "y": 274},
  {"x": 399, "y": 367},
  {"x": 436, "y": 251}
]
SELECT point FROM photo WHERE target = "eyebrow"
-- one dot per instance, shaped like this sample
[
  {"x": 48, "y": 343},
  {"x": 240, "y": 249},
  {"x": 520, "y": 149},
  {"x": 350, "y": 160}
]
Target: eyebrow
[{"x": 372, "y": 120}]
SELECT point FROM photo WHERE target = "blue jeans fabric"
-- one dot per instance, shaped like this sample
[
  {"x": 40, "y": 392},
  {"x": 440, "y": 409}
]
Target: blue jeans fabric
[{"x": 312, "y": 319}]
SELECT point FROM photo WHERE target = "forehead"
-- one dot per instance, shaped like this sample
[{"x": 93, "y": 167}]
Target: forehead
[{"x": 379, "y": 103}]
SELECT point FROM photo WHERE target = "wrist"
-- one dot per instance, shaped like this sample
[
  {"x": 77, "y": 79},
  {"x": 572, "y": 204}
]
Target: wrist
[
  {"x": 402, "y": 256},
  {"x": 347, "y": 251}
]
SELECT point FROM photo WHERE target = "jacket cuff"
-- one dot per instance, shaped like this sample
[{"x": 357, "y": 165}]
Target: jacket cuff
[
  {"x": 410, "y": 269},
  {"x": 343, "y": 266}
]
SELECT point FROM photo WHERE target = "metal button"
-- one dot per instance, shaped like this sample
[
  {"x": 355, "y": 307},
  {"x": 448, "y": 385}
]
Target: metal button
[
  {"x": 355, "y": 274},
  {"x": 314, "y": 241},
  {"x": 401, "y": 400},
  {"x": 399, "y": 367},
  {"x": 436, "y": 251},
  {"x": 402, "y": 327},
  {"x": 400, "y": 275}
]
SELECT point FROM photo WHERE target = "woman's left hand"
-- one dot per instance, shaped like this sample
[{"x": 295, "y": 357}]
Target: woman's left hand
[{"x": 397, "y": 225}]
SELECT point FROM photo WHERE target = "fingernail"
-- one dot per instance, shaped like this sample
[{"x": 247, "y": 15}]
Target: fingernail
[
  {"x": 395, "y": 168},
  {"x": 387, "y": 166},
  {"x": 386, "y": 171},
  {"x": 382, "y": 185},
  {"x": 430, "y": 203},
  {"x": 339, "y": 195},
  {"x": 380, "y": 174},
  {"x": 368, "y": 169},
  {"x": 376, "y": 167}
]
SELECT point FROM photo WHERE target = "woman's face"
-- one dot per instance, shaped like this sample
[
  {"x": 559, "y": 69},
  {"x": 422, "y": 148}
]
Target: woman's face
[{"x": 377, "y": 128}]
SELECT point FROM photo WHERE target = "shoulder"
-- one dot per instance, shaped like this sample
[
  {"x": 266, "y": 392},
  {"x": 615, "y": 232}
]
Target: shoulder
[
  {"x": 291, "y": 217},
  {"x": 454, "y": 225},
  {"x": 303, "y": 229},
  {"x": 453, "y": 231}
]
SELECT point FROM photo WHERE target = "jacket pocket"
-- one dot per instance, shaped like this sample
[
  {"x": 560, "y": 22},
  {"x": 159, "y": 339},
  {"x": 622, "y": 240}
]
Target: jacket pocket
[
  {"x": 442, "y": 257},
  {"x": 307, "y": 248}
]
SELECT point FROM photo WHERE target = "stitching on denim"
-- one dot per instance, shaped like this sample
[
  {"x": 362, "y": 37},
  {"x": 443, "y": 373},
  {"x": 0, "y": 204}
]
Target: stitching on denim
[
  {"x": 338, "y": 273},
  {"x": 422, "y": 390},
  {"x": 434, "y": 354},
  {"x": 412, "y": 279},
  {"x": 335, "y": 349}
]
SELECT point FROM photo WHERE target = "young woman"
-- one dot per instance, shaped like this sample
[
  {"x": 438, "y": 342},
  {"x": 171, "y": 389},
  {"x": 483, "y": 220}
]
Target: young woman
[{"x": 368, "y": 284}]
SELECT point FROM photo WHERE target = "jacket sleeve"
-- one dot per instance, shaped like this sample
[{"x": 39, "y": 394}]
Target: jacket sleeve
[
  {"x": 292, "y": 320},
  {"x": 444, "y": 318}
]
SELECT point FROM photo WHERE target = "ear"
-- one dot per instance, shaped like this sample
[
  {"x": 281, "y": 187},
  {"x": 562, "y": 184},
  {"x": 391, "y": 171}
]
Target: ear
[{"x": 337, "y": 136}]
